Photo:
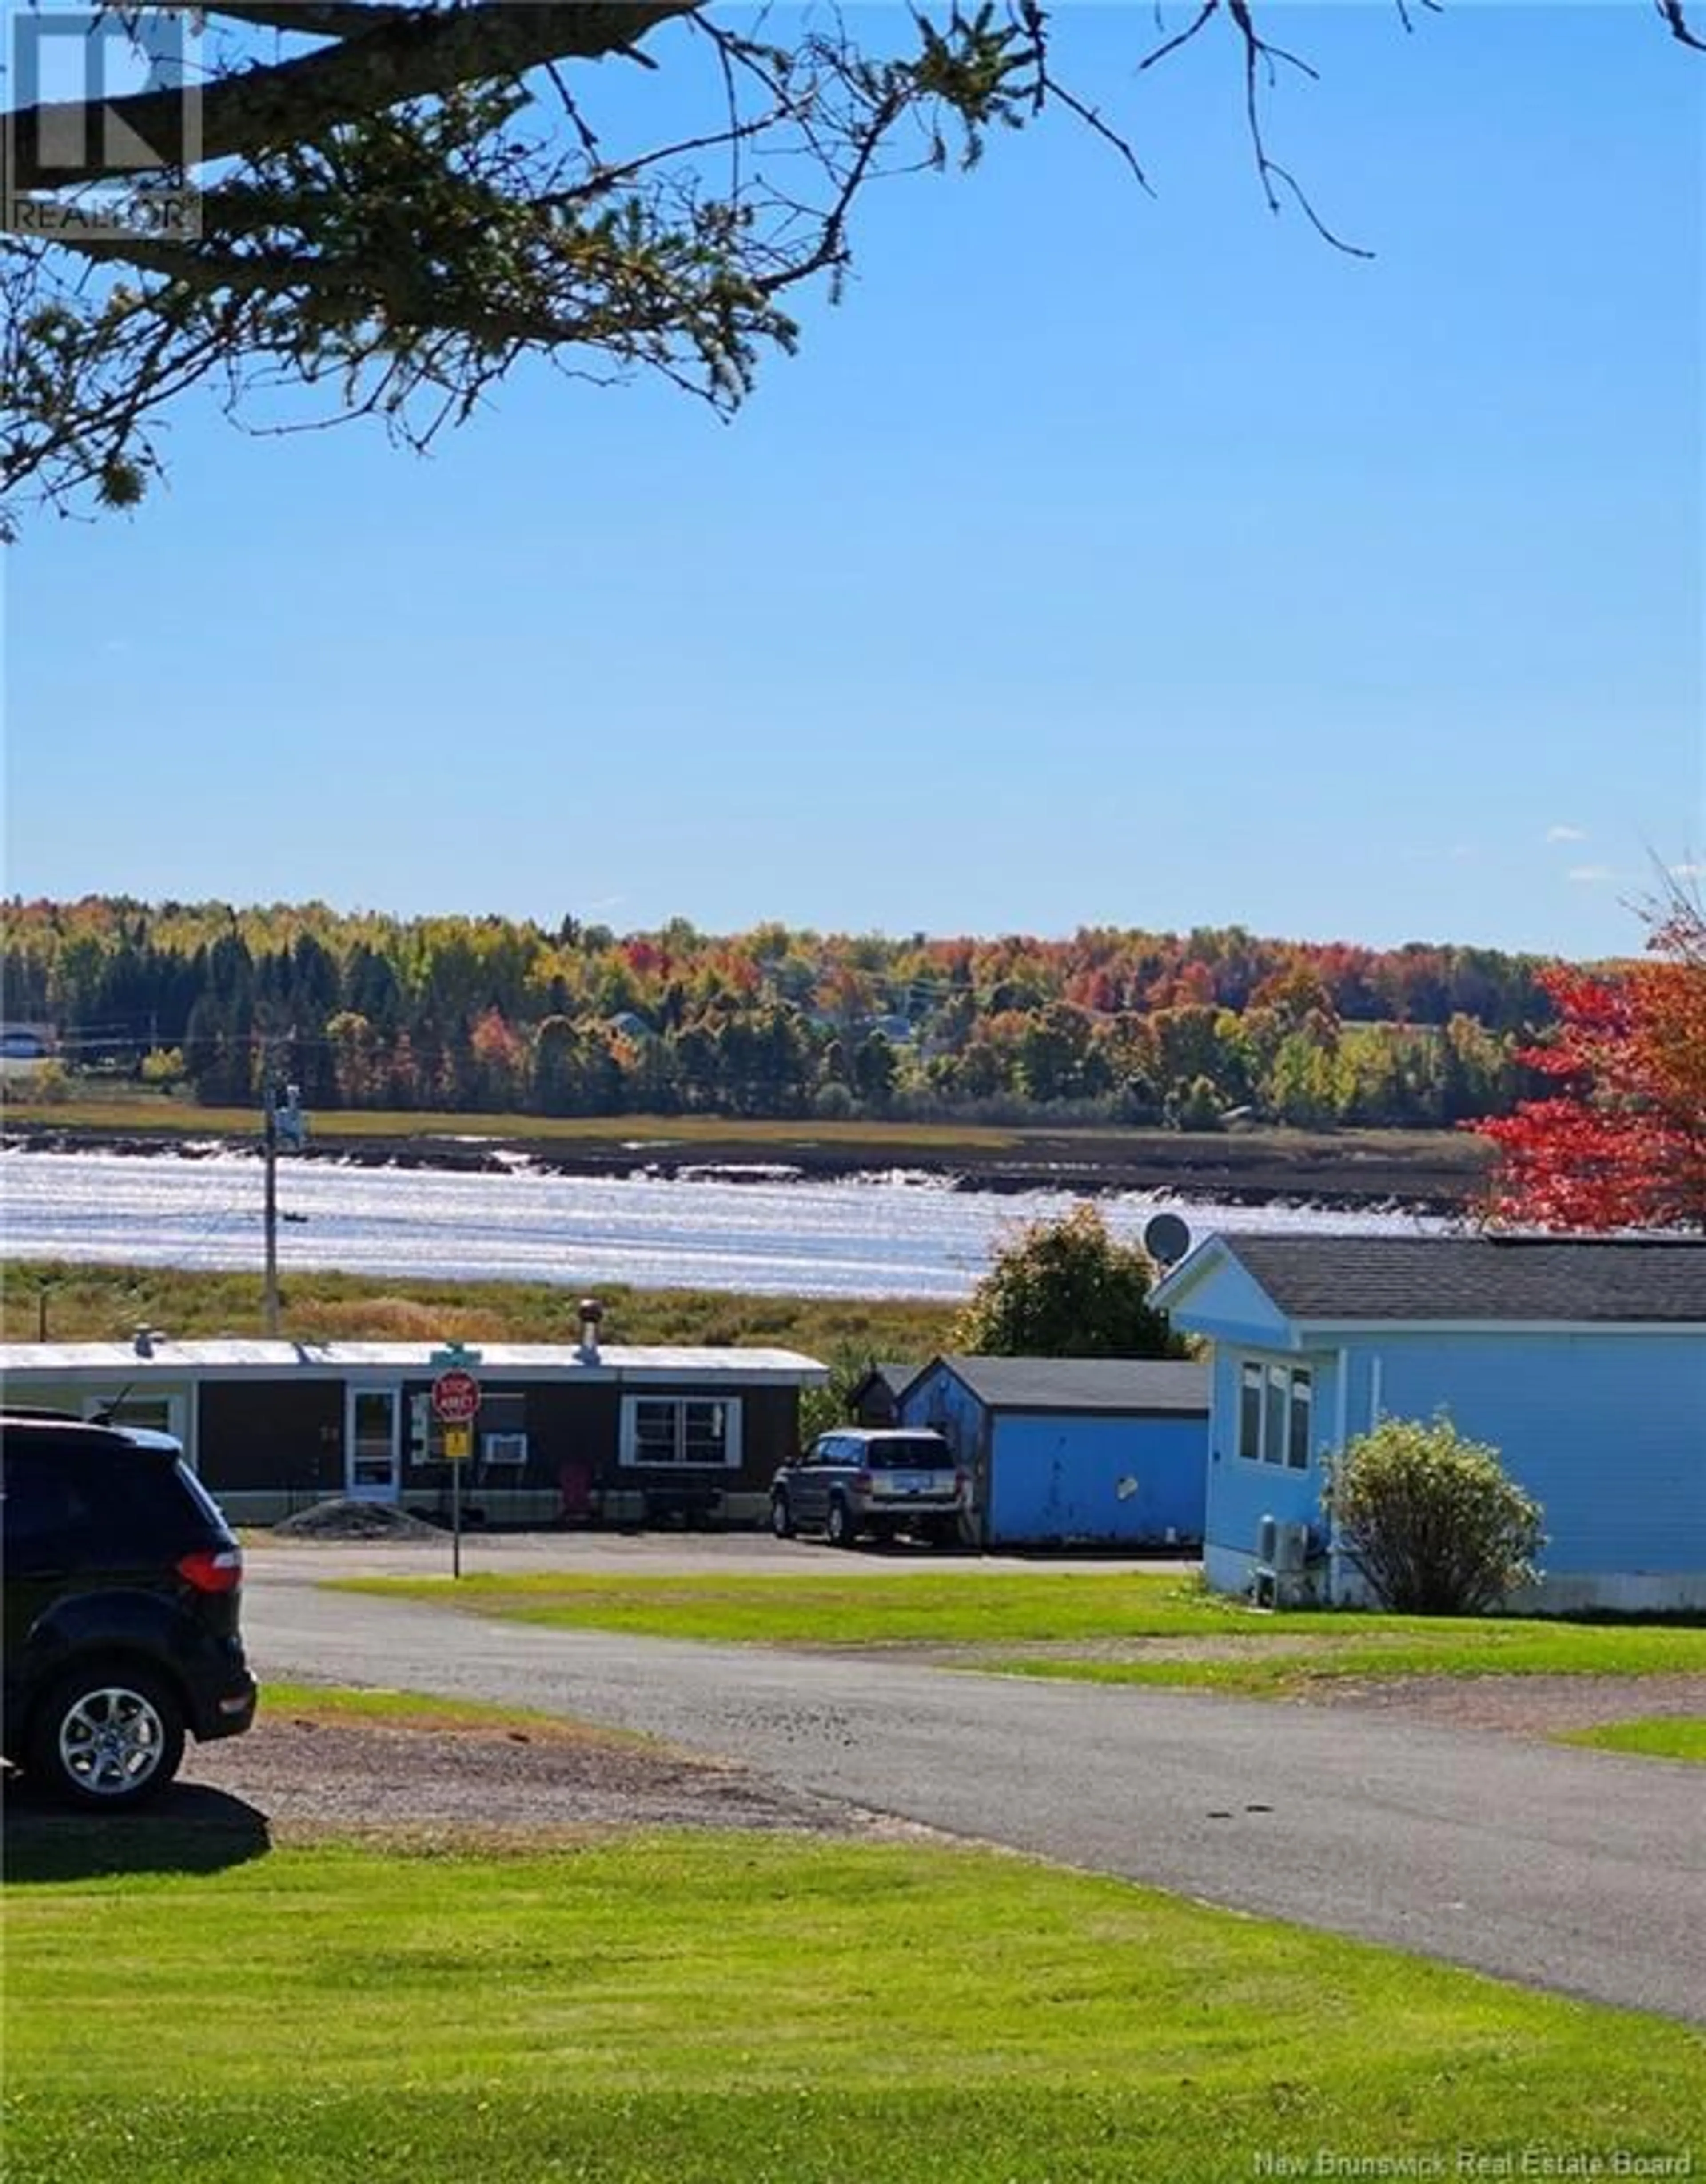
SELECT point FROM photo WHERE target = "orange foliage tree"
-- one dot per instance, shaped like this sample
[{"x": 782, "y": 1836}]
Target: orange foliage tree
[{"x": 1621, "y": 1141}]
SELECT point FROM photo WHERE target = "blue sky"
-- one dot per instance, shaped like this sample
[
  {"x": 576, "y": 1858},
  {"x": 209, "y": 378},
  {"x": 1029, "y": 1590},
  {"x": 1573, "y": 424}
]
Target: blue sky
[{"x": 1101, "y": 560}]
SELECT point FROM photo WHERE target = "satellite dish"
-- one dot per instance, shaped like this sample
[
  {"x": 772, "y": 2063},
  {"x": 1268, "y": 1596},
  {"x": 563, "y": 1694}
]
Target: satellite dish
[{"x": 1166, "y": 1239}]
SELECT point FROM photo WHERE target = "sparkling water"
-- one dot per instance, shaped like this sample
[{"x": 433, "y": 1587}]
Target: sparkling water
[{"x": 893, "y": 1234}]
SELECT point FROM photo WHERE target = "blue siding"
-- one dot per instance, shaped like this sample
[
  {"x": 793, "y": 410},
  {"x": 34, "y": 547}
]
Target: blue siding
[
  {"x": 1061, "y": 1478},
  {"x": 1242, "y": 1493},
  {"x": 1607, "y": 1431},
  {"x": 1212, "y": 1294},
  {"x": 1040, "y": 1477},
  {"x": 940, "y": 1400}
]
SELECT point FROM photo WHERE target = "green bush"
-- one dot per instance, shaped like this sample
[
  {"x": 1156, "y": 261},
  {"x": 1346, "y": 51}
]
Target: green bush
[
  {"x": 1066, "y": 1289},
  {"x": 1431, "y": 1520}
]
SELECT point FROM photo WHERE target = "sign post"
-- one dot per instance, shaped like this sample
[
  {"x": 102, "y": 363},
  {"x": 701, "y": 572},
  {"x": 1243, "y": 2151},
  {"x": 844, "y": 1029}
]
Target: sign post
[{"x": 456, "y": 1406}]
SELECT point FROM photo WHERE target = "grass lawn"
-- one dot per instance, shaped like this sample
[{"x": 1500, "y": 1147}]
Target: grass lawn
[
  {"x": 689, "y": 2008},
  {"x": 331, "y": 1703},
  {"x": 1664, "y": 1737},
  {"x": 1242, "y": 1650}
]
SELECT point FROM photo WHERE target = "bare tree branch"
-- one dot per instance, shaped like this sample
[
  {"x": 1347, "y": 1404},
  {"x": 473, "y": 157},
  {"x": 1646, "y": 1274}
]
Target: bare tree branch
[
  {"x": 391, "y": 219},
  {"x": 1673, "y": 15}
]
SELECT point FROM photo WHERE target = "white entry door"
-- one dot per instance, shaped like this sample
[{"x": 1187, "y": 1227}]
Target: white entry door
[{"x": 370, "y": 1443}]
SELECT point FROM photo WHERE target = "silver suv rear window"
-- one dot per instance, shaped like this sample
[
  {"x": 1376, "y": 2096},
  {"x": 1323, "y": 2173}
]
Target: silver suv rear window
[{"x": 924, "y": 1453}]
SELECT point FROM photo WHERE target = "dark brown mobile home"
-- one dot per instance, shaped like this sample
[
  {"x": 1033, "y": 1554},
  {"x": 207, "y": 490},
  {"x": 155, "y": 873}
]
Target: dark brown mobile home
[{"x": 581, "y": 1432}]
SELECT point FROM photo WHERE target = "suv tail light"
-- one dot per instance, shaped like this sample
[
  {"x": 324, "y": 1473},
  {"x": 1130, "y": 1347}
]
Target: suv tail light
[
  {"x": 213, "y": 1569},
  {"x": 962, "y": 1485},
  {"x": 863, "y": 1482}
]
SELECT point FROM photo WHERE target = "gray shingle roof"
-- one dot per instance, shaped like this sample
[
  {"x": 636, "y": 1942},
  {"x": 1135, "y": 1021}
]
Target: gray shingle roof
[
  {"x": 1084, "y": 1383},
  {"x": 1459, "y": 1278}
]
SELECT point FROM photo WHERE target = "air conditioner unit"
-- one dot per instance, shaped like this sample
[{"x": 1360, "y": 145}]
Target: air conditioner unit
[
  {"x": 1291, "y": 1549},
  {"x": 504, "y": 1448}
]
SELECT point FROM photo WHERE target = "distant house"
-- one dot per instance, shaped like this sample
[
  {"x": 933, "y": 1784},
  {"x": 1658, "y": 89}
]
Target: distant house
[
  {"x": 1582, "y": 1361},
  {"x": 563, "y": 1430},
  {"x": 1073, "y": 1451}
]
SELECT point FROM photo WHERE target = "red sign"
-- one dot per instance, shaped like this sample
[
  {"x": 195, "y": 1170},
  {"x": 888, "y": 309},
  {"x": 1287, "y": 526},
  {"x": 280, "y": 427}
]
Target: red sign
[{"x": 456, "y": 1398}]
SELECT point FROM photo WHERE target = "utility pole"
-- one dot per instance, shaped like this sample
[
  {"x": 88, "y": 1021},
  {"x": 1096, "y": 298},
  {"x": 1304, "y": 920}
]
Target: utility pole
[
  {"x": 269, "y": 1155},
  {"x": 281, "y": 1124}
]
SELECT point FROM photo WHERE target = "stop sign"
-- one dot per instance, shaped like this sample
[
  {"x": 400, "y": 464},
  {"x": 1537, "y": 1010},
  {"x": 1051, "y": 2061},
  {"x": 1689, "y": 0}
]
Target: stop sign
[{"x": 456, "y": 1398}]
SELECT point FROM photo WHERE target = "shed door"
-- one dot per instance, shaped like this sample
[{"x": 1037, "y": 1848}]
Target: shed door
[{"x": 371, "y": 1445}]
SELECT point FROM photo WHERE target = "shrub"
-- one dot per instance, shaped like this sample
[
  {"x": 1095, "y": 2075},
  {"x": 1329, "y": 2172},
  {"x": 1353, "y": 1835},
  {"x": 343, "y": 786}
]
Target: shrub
[
  {"x": 48, "y": 1084},
  {"x": 164, "y": 1066},
  {"x": 1431, "y": 1518}
]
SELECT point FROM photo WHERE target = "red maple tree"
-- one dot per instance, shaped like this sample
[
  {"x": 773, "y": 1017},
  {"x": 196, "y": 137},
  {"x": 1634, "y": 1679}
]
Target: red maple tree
[{"x": 1621, "y": 1142}]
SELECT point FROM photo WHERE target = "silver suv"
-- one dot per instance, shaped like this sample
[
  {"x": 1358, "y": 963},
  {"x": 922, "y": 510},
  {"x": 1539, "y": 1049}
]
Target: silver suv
[{"x": 858, "y": 1480}]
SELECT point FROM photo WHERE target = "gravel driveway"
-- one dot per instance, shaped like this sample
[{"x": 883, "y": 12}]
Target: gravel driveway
[
  {"x": 1584, "y": 1871},
  {"x": 313, "y": 1773}
]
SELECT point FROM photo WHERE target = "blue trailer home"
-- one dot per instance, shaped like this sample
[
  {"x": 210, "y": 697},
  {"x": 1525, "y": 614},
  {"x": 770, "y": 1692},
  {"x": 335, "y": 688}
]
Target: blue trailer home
[
  {"x": 1582, "y": 1361},
  {"x": 1100, "y": 1451}
]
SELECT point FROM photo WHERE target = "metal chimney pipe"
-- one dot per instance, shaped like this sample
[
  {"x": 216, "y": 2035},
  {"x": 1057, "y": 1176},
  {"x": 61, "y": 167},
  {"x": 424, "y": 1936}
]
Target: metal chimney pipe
[{"x": 591, "y": 1311}]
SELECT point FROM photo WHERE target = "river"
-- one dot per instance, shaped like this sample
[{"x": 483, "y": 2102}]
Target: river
[{"x": 882, "y": 1235}]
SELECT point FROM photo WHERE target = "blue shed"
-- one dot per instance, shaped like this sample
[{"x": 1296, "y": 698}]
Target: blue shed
[
  {"x": 1582, "y": 1360},
  {"x": 1093, "y": 1450}
]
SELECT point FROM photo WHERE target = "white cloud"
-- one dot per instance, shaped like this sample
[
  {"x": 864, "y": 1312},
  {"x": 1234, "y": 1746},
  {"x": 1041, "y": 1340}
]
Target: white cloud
[
  {"x": 1687, "y": 871},
  {"x": 1591, "y": 875},
  {"x": 1566, "y": 834}
]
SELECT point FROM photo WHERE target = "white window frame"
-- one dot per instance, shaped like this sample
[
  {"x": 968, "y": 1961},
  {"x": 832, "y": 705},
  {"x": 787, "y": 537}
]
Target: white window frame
[
  {"x": 1283, "y": 1390},
  {"x": 176, "y": 1407},
  {"x": 515, "y": 1448},
  {"x": 630, "y": 1456}
]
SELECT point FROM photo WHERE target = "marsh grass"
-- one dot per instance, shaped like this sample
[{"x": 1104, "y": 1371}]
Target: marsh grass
[{"x": 89, "y": 1303}]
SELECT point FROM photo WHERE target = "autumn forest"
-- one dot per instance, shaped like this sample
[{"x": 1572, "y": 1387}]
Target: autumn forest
[{"x": 487, "y": 1014}]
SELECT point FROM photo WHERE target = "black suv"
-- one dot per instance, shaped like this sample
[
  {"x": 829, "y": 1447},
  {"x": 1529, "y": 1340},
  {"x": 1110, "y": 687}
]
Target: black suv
[{"x": 123, "y": 1583}]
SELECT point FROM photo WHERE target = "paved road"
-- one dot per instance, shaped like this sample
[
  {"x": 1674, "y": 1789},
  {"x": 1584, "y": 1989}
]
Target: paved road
[{"x": 1577, "y": 1870}]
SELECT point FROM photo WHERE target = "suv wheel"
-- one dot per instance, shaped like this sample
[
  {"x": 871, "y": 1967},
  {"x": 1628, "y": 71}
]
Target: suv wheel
[
  {"x": 108, "y": 1738},
  {"x": 781, "y": 1517},
  {"x": 839, "y": 1528}
]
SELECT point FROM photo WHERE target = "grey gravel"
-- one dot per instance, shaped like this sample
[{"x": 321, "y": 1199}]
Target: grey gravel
[{"x": 1583, "y": 1871}]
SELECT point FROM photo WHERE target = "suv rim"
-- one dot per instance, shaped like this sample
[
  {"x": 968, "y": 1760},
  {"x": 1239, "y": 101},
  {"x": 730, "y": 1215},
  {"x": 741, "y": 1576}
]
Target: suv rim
[{"x": 111, "y": 1742}]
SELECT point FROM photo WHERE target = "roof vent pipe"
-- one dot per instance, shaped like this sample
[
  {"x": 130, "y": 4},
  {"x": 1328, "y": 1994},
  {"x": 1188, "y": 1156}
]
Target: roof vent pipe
[
  {"x": 591, "y": 1311},
  {"x": 143, "y": 1341}
]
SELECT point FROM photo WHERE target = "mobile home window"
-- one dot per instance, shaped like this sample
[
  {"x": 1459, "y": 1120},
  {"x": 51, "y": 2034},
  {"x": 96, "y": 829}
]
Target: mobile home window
[
  {"x": 1276, "y": 1413},
  {"x": 1250, "y": 1413},
  {"x": 152, "y": 1413},
  {"x": 504, "y": 1429},
  {"x": 1298, "y": 1436},
  {"x": 691, "y": 1431}
]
